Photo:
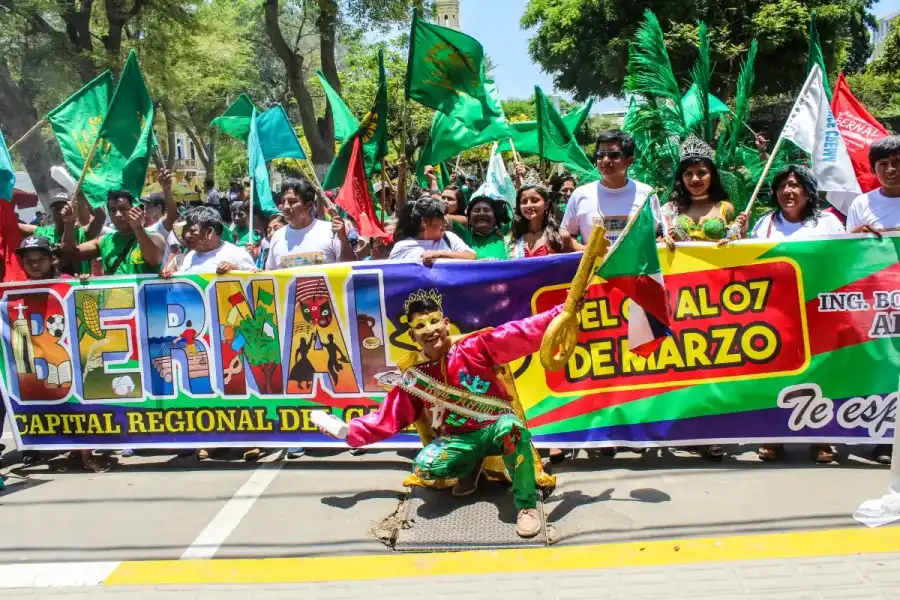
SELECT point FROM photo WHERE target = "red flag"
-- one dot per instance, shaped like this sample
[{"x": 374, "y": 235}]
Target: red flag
[
  {"x": 354, "y": 196},
  {"x": 10, "y": 238},
  {"x": 859, "y": 130}
]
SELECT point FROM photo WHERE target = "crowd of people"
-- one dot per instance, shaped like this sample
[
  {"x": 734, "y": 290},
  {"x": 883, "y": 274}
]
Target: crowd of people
[{"x": 154, "y": 235}]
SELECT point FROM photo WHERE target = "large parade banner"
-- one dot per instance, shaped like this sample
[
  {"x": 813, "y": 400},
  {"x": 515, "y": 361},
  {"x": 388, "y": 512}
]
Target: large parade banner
[{"x": 771, "y": 342}]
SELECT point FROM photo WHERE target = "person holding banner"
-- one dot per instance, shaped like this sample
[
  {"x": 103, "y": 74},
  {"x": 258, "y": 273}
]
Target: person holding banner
[
  {"x": 534, "y": 229},
  {"x": 420, "y": 234},
  {"x": 486, "y": 218},
  {"x": 797, "y": 213},
  {"x": 698, "y": 209},
  {"x": 452, "y": 391},
  {"x": 306, "y": 240},
  {"x": 128, "y": 250},
  {"x": 878, "y": 211}
]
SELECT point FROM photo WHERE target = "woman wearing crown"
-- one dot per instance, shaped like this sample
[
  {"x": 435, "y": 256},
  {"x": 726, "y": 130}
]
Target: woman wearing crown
[
  {"x": 460, "y": 395},
  {"x": 698, "y": 209}
]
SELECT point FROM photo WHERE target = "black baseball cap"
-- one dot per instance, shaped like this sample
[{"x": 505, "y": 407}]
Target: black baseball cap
[
  {"x": 34, "y": 243},
  {"x": 155, "y": 199}
]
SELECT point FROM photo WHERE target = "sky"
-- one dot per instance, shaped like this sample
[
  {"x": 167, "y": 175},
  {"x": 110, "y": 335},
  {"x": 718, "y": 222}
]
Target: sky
[{"x": 495, "y": 23}]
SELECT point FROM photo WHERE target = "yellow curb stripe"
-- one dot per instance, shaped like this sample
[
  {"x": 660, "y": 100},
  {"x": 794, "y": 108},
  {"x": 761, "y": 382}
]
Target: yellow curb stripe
[{"x": 833, "y": 542}]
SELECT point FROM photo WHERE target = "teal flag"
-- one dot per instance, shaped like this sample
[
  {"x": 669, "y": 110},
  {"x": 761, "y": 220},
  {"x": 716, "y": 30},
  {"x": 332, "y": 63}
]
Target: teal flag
[
  {"x": 276, "y": 135},
  {"x": 259, "y": 172},
  {"x": 524, "y": 134},
  {"x": 345, "y": 124},
  {"x": 7, "y": 173}
]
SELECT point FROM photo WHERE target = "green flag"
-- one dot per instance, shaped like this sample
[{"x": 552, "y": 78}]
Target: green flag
[
  {"x": 524, "y": 134},
  {"x": 126, "y": 139},
  {"x": 276, "y": 135},
  {"x": 450, "y": 136},
  {"x": 556, "y": 143},
  {"x": 76, "y": 122},
  {"x": 445, "y": 71},
  {"x": 372, "y": 133},
  {"x": 259, "y": 172},
  {"x": 235, "y": 121},
  {"x": 345, "y": 124},
  {"x": 7, "y": 173},
  {"x": 815, "y": 56},
  {"x": 693, "y": 111}
]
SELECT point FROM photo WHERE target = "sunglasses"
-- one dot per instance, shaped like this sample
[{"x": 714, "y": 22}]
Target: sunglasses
[{"x": 611, "y": 155}]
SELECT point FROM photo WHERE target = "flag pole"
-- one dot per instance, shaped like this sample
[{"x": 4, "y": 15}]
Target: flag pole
[
  {"x": 250, "y": 209},
  {"x": 328, "y": 203},
  {"x": 87, "y": 165},
  {"x": 27, "y": 133},
  {"x": 383, "y": 190},
  {"x": 456, "y": 168},
  {"x": 778, "y": 143},
  {"x": 512, "y": 145}
]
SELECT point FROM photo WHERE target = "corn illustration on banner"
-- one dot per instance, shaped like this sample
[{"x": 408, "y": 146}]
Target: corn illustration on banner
[{"x": 782, "y": 341}]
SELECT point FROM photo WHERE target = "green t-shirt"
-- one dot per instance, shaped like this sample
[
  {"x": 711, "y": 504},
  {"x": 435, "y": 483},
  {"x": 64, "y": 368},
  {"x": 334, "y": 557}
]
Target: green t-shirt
[
  {"x": 49, "y": 232},
  {"x": 486, "y": 247},
  {"x": 113, "y": 245},
  {"x": 227, "y": 236},
  {"x": 242, "y": 236}
]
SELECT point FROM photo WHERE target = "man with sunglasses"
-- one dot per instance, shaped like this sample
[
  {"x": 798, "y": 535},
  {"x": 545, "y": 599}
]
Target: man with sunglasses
[{"x": 611, "y": 201}]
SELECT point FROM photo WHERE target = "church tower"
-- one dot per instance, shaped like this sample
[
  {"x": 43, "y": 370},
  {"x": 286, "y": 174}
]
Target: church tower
[{"x": 446, "y": 13}]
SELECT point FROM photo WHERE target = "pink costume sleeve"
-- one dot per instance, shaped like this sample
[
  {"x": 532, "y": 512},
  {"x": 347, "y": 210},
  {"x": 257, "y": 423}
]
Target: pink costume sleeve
[
  {"x": 397, "y": 412},
  {"x": 511, "y": 340}
]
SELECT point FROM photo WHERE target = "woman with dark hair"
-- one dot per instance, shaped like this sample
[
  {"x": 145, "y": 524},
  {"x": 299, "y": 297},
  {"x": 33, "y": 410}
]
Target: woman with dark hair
[
  {"x": 797, "y": 213},
  {"x": 698, "y": 209},
  {"x": 420, "y": 234},
  {"x": 535, "y": 231},
  {"x": 486, "y": 218},
  {"x": 561, "y": 188},
  {"x": 454, "y": 204}
]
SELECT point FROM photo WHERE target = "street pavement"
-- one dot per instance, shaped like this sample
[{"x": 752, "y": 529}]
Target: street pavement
[{"x": 326, "y": 504}]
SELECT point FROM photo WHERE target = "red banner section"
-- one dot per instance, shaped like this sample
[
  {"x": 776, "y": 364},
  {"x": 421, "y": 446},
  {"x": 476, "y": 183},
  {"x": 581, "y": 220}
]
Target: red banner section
[{"x": 727, "y": 324}]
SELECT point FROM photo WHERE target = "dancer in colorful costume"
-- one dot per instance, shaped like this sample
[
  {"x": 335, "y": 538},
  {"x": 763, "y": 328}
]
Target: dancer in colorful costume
[{"x": 461, "y": 396}]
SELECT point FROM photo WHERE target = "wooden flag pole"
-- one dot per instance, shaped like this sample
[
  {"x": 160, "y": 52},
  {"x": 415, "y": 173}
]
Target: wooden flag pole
[
  {"x": 27, "y": 133},
  {"x": 87, "y": 165},
  {"x": 456, "y": 168},
  {"x": 383, "y": 191},
  {"x": 312, "y": 169},
  {"x": 516, "y": 156}
]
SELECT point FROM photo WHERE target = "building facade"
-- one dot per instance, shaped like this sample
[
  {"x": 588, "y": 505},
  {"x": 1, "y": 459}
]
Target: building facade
[
  {"x": 880, "y": 34},
  {"x": 446, "y": 13}
]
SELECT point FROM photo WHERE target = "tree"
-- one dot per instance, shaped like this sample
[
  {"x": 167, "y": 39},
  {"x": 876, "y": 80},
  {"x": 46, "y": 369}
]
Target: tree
[
  {"x": 879, "y": 86},
  {"x": 289, "y": 22},
  {"x": 584, "y": 43}
]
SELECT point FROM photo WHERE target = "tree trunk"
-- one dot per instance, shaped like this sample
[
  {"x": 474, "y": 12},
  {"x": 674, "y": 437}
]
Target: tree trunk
[
  {"x": 322, "y": 148},
  {"x": 170, "y": 133},
  {"x": 327, "y": 27},
  {"x": 18, "y": 116}
]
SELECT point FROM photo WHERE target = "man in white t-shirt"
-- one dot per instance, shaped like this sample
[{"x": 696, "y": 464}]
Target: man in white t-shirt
[
  {"x": 878, "y": 211},
  {"x": 306, "y": 240},
  {"x": 208, "y": 253},
  {"x": 420, "y": 235},
  {"x": 612, "y": 201}
]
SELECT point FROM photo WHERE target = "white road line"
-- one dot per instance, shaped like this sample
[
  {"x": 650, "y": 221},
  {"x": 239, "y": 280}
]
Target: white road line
[
  {"x": 226, "y": 521},
  {"x": 55, "y": 574}
]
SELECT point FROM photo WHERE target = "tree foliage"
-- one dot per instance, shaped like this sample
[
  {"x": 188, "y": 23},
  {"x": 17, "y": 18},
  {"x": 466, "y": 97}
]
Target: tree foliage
[
  {"x": 584, "y": 43},
  {"x": 879, "y": 86}
]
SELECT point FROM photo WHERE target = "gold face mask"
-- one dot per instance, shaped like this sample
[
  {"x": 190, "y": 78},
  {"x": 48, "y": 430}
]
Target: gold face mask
[{"x": 427, "y": 324}]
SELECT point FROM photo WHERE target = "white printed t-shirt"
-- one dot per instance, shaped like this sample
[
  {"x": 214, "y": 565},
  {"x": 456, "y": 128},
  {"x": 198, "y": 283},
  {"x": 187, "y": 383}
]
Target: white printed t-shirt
[
  {"x": 780, "y": 228},
  {"x": 594, "y": 203},
  {"x": 414, "y": 249},
  {"x": 208, "y": 262},
  {"x": 315, "y": 244},
  {"x": 874, "y": 209}
]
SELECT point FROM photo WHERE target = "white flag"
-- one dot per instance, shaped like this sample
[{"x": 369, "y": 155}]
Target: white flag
[
  {"x": 812, "y": 127},
  {"x": 497, "y": 183}
]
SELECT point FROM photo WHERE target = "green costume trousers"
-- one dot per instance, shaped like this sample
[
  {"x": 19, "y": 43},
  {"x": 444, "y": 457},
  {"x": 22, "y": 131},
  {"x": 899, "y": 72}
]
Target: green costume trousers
[{"x": 455, "y": 456}]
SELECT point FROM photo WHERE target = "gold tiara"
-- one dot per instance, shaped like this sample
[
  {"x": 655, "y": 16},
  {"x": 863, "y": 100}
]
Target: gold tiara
[{"x": 431, "y": 294}]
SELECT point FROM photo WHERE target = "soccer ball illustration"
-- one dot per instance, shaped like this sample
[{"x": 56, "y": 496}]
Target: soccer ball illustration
[{"x": 56, "y": 325}]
